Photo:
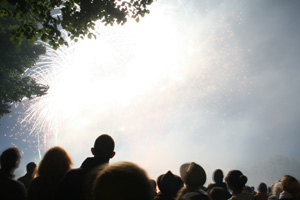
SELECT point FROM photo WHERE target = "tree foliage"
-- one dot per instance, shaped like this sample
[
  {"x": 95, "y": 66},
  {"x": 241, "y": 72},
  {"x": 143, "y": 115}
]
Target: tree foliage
[
  {"x": 14, "y": 61},
  {"x": 43, "y": 19},
  {"x": 23, "y": 23}
]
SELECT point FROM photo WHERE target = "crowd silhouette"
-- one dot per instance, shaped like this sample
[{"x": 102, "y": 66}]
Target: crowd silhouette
[{"x": 97, "y": 179}]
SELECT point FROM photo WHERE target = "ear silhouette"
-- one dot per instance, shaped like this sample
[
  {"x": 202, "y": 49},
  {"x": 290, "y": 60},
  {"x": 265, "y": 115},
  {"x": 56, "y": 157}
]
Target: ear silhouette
[{"x": 113, "y": 154}]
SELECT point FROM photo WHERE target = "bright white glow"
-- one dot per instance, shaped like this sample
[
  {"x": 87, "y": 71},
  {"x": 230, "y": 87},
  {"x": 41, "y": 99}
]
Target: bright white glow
[
  {"x": 181, "y": 85},
  {"x": 125, "y": 82},
  {"x": 92, "y": 77}
]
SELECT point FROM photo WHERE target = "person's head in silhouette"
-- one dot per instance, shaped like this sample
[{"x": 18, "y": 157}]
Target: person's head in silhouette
[
  {"x": 218, "y": 176},
  {"x": 122, "y": 181},
  {"x": 262, "y": 187},
  {"x": 10, "y": 159},
  {"x": 30, "y": 168},
  {"x": 169, "y": 184},
  {"x": 291, "y": 185},
  {"x": 153, "y": 183},
  {"x": 30, "y": 173},
  {"x": 276, "y": 189},
  {"x": 218, "y": 193},
  {"x": 55, "y": 163},
  {"x": 193, "y": 175},
  {"x": 104, "y": 148},
  {"x": 236, "y": 181}
]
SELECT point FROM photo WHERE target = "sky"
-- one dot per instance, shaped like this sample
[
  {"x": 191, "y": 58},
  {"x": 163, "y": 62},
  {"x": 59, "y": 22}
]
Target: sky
[{"x": 211, "y": 82}]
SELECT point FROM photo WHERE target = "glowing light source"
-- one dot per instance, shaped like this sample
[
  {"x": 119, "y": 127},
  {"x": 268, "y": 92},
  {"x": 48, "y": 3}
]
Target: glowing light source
[{"x": 92, "y": 78}]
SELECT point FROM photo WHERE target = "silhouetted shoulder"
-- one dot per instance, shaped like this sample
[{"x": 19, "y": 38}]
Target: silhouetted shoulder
[
  {"x": 11, "y": 189},
  {"x": 71, "y": 185},
  {"x": 195, "y": 195},
  {"x": 242, "y": 196}
]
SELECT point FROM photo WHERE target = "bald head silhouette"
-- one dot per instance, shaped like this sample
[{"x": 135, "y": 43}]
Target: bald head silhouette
[{"x": 104, "y": 147}]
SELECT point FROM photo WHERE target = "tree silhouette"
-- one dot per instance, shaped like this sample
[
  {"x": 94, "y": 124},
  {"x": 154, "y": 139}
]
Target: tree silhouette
[
  {"x": 23, "y": 23},
  {"x": 43, "y": 19},
  {"x": 14, "y": 61}
]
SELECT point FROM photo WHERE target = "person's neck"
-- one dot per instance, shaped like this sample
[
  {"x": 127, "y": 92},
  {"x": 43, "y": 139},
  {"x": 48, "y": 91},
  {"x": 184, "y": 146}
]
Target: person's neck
[
  {"x": 235, "y": 192},
  {"x": 29, "y": 175},
  {"x": 8, "y": 172},
  {"x": 190, "y": 189},
  {"x": 103, "y": 160}
]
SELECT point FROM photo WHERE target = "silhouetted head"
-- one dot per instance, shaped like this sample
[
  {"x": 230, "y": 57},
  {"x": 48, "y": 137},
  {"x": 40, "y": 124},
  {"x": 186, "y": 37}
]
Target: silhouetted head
[
  {"x": 30, "y": 167},
  {"x": 122, "y": 181},
  {"x": 10, "y": 159},
  {"x": 169, "y": 184},
  {"x": 104, "y": 147},
  {"x": 193, "y": 175},
  {"x": 276, "y": 188},
  {"x": 218, "y": 193},
  {"x": 248, "y": 189},
  {"x": 290, "y": 185},
  {"x": 55, "y": 163},
  {"x": 218, "y": 176},
  {"x": 235, "y": 180},
  {"x": 153, "y": 183},
  {"x": 262, "y": 187}
]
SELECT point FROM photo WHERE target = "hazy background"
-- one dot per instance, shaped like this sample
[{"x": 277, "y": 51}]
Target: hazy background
[{"x": 214, "y": 82}]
